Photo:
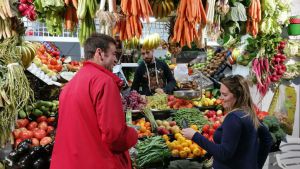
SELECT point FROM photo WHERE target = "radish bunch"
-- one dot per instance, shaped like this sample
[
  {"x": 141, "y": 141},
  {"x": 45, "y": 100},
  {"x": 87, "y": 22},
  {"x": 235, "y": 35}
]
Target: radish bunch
[
  {"x": 26, "y": 8},
  {"x": 278, "y": 67},
  {"x": 261, "y": 70}
]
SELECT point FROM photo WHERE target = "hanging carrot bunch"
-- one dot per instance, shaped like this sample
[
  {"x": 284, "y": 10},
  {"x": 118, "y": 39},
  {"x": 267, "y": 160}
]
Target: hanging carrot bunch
[
  {"x": 189, "y": 14},
  {"x": 132, "y": 26},
  {"x": 254, "y": 13},
  {"x": 71, "y": 20}
]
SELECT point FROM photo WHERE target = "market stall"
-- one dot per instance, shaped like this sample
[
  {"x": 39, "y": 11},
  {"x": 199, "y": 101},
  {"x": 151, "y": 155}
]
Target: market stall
[{"x": 202, "y": 41}]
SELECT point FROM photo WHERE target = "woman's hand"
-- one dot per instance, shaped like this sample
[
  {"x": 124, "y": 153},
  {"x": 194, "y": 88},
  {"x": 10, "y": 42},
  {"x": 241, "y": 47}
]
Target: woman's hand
[{"x": 188, "y": 133}]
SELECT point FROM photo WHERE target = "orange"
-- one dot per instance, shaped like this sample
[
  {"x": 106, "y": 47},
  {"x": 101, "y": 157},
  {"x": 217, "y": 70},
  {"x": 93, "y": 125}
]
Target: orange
[
  {"x": 175, "y": 153},
  {"x": 179, "y": 147},
  {"x": 147, "y": 124},
  {"x": 189, "y": 142},
  {"x": 187, "y": 150},
  {"x": 143, "y": 129},
  {"x": 197, "y": 152},
  {"x": 184, "y": 144},
  {"x": 203, "y": 152},
  {"x": 182, "y": 154},
  {"x": 191, "y": 155}
]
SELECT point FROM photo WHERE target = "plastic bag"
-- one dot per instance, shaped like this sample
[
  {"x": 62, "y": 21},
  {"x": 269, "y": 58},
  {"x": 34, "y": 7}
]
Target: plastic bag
[{"x": 181, "y": 73}]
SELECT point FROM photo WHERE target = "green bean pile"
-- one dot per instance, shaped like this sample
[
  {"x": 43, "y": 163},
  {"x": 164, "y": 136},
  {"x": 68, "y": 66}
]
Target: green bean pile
[
  {"x": 151, "y": 150},
  {"x": 193, "y": 116},
  {"x": 157, "y": 102}
]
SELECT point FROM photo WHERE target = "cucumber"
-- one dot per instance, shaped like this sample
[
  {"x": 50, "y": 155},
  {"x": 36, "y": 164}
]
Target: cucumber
[
  {"x": 46, "y": 103},
  {"x": 37, "y": 112},
  {"x": 44, "y": 109}
]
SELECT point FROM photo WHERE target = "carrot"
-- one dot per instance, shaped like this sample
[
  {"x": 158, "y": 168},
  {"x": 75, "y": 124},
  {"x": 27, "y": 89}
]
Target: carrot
[
  {"x": 143, "y": 6},
  {"x": 203, "y": 14},
  {"x": 75, "y": 18},
  {"x": 132, "y": 25},
  {"x": 128, "y": 30},
  {"x": 258, "y": 11},
  {"x": 187, "y": 34},
  {"x": 180, "y": 28},
  {"x": 140, "y": 27},
  {"x": 75, "y": 3},
  {"x": 182, "y": 7},
  {"x": 68, "y": 18},
  {"x": 149, "y": 9},
  {"x": 134, "y": 7}
]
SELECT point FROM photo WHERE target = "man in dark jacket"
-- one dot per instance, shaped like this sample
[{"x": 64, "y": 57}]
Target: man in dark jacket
[{"x": 153, "y": 75}]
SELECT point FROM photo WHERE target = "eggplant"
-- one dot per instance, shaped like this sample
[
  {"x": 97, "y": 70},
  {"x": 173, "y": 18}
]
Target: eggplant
[
  {"x": 14, "y": 156},
  {"x": 24, "y": 147},
  {"x": 41, "y": 163},
  {"x": 25, "y": 162},
  {"x": 36, "y": 152},
  {"x": 49, "y": 147}
]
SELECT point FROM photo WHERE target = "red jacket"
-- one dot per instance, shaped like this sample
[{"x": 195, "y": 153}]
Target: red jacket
[{"x": 91, "y": 132}]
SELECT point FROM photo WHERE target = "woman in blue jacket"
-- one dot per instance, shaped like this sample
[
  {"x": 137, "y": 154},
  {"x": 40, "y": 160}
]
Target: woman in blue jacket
[{"x": 241, "y": 142}]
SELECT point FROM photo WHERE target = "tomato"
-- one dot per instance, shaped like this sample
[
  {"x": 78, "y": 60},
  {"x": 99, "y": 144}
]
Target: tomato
[
  {"x": 23, "y": 129},
  {"x": 211, "y": 131},
  {"x": 53, "y": 61},
  {"x": 35, "y": 142},
  {"x": 45, "y": 141},
  {"x": 44, "y": 61},
  {"x": 205, "y": 128},
  {"x": 17, "y": 142},
  {"x": 58, "y": 67},
  {"x": 50, "y": 129},
  {"x": 22, "y": 123},
  {"x": 32, "y": 125},
  {"x": 43, "y": 125},
  {"x": 50, "y": 66},
  {"x": 41, "y": 118},
  {"x": 16, "y": 133},
  {"x": 26, "y": 134},
  {"x": 211, "y": 138},
  {"x": 42, "y": 49},
  {"x": 39, "y": 134},
  {"x": 216, "y": 125},
  {"x": 51, "y": 120}
]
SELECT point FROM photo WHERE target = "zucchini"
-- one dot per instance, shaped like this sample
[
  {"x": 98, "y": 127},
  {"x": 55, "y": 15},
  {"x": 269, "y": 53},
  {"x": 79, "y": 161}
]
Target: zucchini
[{"x": 37, "y": 112}]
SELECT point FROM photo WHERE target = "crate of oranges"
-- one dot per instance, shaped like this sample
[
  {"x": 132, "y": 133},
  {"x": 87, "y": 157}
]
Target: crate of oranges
[
  {"x": 144, "y": 128},
  {"x": 183, "y": 148}
]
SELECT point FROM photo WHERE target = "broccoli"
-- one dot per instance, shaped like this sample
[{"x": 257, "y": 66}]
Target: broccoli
[{"x": 272, "y": 123}]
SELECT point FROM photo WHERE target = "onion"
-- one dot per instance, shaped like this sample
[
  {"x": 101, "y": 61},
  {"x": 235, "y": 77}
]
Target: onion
[
  {"x": 23, "y": 1},
  {"x": 22, "y": 7}
]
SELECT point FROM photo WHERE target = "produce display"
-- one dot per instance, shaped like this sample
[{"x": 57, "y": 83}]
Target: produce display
[{"x": 248, "y": 32}]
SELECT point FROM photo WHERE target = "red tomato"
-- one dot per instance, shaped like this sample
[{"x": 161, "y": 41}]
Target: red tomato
[
  {"x": 51, "y": 120},
  {"x": 41, "y": 118},
  {"x": 216, "y": 125},
  {"x": 43, "y": 125},
  {"x": 32, "y": 125},
  {"x": 206, "y": 135},
  {"x": 39, "y": 134},
  {"x": 17, "y": 142},
  {"x": 50, "y": 129},
  {"x": 22, "y": 123},
  {"x": 45, "y": 141},
  {"x": 58, "y": 67},
  {"x": 26, "y": 134},
  {"x": 211, "y": 131},
  {"x": 35, "y": 142},
  {"x": 44, "y": 61},
  {"x": 50, "y": 66},
  {"x": 42, "y": 49},
  {"x": 211, "y": 138},
  {"x": 205, "y": 128},
  {"x": 16, "y": 133},
  {"x": 23, "y": 129},
  {"x": 53, "y": 61}
]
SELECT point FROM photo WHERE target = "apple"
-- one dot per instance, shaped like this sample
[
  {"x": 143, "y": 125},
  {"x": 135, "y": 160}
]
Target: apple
[
  {"x": 219, "y": 112},
  {"x": 165, "y": 123},
  {"x": 172, "y": 123},
  {"x": 159, "y": 122}
]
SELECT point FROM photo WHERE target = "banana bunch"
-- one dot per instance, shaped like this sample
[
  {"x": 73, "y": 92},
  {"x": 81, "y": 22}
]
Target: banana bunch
[
  {"x": 151, "y": 42},
  {"x": 162, "y": 8},
  {"x": 5, "y": 10},
  {"x": 27, "y": 53},
  {"x": 133, "y": 43}
]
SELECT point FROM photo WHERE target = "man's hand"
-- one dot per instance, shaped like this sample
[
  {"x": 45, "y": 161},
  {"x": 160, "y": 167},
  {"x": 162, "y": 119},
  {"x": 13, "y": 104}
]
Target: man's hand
[
  {"x": 159, "y": 91},
  {"x": 188, "y": 133}
]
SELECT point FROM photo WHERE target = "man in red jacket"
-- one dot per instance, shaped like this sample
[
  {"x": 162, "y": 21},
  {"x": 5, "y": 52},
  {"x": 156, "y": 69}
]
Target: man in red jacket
[{"x": 91, "y": 132}]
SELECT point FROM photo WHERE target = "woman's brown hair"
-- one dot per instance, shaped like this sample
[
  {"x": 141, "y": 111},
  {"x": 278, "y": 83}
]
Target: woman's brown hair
[{"x": 239, "y": 87}]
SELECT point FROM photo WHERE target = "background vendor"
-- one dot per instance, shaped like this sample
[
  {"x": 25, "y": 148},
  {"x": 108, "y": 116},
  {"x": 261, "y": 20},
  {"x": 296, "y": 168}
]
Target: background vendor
[{"x": 153, "y": 76}]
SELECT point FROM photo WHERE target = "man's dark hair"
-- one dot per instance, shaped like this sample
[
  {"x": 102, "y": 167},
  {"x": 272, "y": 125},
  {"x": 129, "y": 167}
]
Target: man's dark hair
[{"x": 97, "y": 40}]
